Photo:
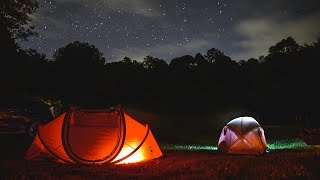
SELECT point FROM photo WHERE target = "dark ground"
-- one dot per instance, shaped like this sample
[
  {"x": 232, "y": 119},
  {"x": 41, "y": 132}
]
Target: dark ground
[{"x": 178, "y": 165}]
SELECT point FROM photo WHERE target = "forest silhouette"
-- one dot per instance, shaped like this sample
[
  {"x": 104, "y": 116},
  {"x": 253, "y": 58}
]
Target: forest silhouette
[{"x": 281, "y": 87}]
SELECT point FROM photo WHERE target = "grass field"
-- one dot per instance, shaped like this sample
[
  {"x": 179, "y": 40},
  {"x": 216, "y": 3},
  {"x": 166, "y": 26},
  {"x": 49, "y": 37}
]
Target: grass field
[
  {"x": 189, "y": 153},
  {"x": 178, "y": 164}
]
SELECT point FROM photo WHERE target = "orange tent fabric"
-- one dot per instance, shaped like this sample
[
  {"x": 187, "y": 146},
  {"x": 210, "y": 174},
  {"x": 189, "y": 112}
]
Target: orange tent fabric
[
  {"x": 242, "y": 135},
  {"x": 94, "y": 137}
]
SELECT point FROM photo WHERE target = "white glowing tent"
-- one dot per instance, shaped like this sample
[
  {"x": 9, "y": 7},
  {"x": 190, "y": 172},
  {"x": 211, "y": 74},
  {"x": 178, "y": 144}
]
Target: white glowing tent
[{"x": 242, "y": 135}]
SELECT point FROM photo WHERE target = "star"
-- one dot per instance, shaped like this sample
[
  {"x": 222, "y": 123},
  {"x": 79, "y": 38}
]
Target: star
[{"x": 115, "y": 27}]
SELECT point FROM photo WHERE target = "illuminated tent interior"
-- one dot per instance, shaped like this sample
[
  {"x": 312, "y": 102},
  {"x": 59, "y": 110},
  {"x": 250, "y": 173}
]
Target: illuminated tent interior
[
  {"x": 94, "y": 137},
  {"x": 242, "y": 135}
]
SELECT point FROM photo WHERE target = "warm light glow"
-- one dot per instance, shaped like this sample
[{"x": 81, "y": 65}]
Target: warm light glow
[{"x": 135, "y": 157}]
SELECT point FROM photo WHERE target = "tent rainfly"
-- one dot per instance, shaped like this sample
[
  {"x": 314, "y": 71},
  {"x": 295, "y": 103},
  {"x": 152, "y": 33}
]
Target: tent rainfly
[
  {"x": 94, "y": 137},
  {"x": 242, "y": 135}
]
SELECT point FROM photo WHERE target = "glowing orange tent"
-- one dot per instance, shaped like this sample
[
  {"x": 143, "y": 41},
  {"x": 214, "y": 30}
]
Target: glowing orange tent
[
  {"x": 94, "y": 137},
  {"x": 242, "y": 135}
]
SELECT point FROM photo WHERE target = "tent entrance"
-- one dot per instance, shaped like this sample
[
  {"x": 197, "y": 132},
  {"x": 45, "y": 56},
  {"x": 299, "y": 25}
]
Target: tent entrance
[{"x": 93, "y": 136}]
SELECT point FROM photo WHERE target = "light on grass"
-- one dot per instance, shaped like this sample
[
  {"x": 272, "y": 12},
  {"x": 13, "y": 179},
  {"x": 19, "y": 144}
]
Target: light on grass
[
  {"x": 287, "y": 144},
  {"x": 272, "y": 145},
  {"x": 189, "y": 147}
]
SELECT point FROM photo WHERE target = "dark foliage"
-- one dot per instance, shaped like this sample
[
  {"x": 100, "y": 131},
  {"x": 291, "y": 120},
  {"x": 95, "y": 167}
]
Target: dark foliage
[
  {"x": 14, "y": 16},
  {"x": 278, "y": 88}
]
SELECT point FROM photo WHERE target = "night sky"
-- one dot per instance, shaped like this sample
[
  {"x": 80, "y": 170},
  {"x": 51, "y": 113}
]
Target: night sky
[{"x": 171, "y": 28}]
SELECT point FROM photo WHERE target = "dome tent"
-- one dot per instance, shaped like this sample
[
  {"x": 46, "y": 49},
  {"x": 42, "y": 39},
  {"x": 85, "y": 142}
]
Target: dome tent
[
  {"x": 242, "y": 135},
  {"x": 94, "y": 137}
]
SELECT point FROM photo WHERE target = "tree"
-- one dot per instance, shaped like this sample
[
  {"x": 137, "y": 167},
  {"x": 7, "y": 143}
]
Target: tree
[
  {"x": 79, "y": 54},
  {"x": 8, "y": 46},
  {"x": 79, "y": 68},
  {"x": 214, "y": 55},
  {"x": 154, "y": 64},
  {"x": 126, "y": 60},
  {"x": 15, "y": 15},
  {"x": 199, "y": 59},
  {"x": 183, "y": 63},
  {"x": 285, "y": 46}
]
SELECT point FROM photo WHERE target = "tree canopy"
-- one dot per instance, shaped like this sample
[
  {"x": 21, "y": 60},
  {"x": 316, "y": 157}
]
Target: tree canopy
[
  {"x": 79, "y": 53},
  {"x": 15, "y": 15}
]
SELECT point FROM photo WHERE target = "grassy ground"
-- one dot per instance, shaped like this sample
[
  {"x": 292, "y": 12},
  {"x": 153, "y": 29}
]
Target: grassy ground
[
  {"x": 178, "y": 165},
  {"x": 189, "y": 153}
]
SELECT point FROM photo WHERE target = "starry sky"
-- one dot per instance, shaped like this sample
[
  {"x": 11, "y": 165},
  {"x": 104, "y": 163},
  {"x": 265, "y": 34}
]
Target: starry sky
[{"x": 167, "y": 29}]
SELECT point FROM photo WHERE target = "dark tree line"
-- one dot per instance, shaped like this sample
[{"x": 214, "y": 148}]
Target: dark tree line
[{"x": 281, "y": 87}]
